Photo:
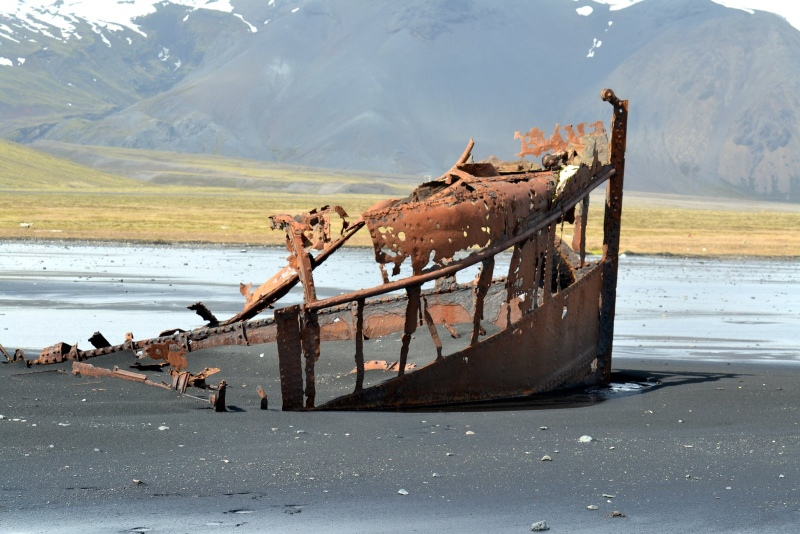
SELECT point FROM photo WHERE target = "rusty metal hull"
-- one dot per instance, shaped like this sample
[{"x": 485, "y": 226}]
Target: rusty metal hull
[
  {"x": 551, "y": 314},
  {"x": 552, "y": 346}
]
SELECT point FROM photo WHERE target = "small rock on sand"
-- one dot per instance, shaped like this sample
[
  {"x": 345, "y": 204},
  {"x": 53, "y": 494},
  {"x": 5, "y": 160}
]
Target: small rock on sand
[{"x": 539, "y": 526}]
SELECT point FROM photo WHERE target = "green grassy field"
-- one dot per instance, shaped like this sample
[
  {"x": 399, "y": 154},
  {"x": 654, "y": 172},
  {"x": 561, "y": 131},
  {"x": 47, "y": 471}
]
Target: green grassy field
[{"x": 44, "y": 197}]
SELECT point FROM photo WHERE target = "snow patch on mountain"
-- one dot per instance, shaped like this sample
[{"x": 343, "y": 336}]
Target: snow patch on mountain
[
  {"x": 788, "y": 9},
  {"x": 252, "y": 28},
  {"x": 40, "y": 16}
]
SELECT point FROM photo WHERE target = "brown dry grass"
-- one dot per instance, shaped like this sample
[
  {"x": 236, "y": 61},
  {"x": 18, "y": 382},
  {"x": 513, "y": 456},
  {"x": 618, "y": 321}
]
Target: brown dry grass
[{"x": 175, "y": 214}]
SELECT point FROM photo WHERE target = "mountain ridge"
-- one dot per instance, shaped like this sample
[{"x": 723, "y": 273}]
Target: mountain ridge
[{"x": 400, "y": 87}]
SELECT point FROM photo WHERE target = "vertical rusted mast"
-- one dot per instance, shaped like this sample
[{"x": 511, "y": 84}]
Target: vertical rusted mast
[{"x": 611, "y": 231}]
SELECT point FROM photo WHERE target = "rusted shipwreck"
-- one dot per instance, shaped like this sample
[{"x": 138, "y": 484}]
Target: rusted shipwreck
[{"x": 551, "y": 314}]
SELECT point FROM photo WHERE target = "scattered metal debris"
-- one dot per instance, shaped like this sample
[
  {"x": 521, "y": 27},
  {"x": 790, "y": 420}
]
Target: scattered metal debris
[
  {"x": 183, "y": 379},
  {"x": 217, "y": 400},
  {"x": 552, "y": 314},
  {"x": 85, "y": 369},
  {"x": 19, "y": 355}
]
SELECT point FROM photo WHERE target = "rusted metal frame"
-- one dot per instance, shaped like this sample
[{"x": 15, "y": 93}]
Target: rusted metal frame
[
  {"x": 511, "y": 281},
  {"x": 264, "y": 301},
  {"x": 185, "y": 339},
  {"x": 431, "y": 328},
  {"x": 467, "y": 151},
  {"x": 538, "y": 267},
  {"x": 359, "y": 337},
  {"x": 481, "y": 288},
  {"x": 502, "y": 365},
  {"x": 310, "y": 343},
  {"x": 289, "y": 352},
  {"x": 453, "y": 333},
  {"x": 579, "y": 234},
  {"x": 611, "y": 234},
  {"x": 521, "y": 277},
  {"x": 529, "y": 252},
  {"x": 412, "y": 311},
  {"x": 303, "y": 265},
  {"x": 85, "y": 369},
  {"x": 554, "y": 215},
  {"x": 549, "y": 260},
  {"x": 183, "y": 379}
]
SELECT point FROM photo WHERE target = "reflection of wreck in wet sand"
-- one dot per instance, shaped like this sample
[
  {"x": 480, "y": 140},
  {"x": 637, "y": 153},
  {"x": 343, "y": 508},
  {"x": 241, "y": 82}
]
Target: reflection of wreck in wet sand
[{"x": 552, "y": 314}]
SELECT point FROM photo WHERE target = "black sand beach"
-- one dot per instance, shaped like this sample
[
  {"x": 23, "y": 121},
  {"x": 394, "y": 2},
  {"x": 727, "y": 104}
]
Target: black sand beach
[
  {"x": 707, "y": 447},
  {"x": 700, "y": 433}
]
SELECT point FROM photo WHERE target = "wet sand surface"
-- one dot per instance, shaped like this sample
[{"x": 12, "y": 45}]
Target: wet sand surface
[{"x": 700, "y": 432}]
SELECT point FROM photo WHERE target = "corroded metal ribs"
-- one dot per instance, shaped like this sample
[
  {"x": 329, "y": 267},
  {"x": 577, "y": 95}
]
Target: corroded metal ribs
[{"x": 546, "y": 322}]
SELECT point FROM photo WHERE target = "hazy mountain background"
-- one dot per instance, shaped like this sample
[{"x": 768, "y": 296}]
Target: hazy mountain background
[{"x": 400, "y": 86}]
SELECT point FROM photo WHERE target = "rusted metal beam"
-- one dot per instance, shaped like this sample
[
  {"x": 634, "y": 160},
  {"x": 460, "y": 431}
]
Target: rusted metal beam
[
  {"x": 310, "y": 343},
  {"x": 86, "y": 369},
  {"x": 611, "y": 233},
  {"x": 217, "y": 400},
  {"x": 412, "y": 310},
  {"x": 432, "y": 328},
  {"x": 304, "y": 268},
  {"x": 359, "y": 338},
  {"x": 579, "y": 234},
  {"x": 549, "y": 259},
  {"x": 481, "y": 288},
  {"x": 289, "y": 351}
]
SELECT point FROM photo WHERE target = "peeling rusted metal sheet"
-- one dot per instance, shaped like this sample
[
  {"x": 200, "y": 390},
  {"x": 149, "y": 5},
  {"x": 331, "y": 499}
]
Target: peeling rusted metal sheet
[
  {"x": 573, "y": 143},
  {"x": 454, "y": 214},
  {"x": 545, "y": 323}
]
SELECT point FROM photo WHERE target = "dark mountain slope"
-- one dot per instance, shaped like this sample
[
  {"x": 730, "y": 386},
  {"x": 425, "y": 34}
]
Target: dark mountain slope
[
  {"x": 401, "y": 86},
  {"x": 716, "y": 105}
]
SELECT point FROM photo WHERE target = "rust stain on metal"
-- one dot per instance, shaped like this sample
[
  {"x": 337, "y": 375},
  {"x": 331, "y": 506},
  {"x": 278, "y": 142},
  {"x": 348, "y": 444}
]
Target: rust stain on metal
[{"x": 546, "y": 323}]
